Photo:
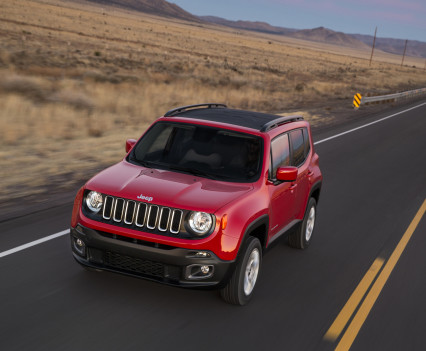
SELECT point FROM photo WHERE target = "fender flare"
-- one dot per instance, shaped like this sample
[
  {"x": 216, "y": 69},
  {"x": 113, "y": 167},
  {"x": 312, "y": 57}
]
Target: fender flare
[
  {"x": 315, "y": 187},
  {"x": 259, "y": 221}
]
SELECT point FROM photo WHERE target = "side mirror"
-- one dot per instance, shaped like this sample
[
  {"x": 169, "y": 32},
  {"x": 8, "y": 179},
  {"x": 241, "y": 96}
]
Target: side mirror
[
  {"x": 287, "y": 174},
  {"x": 129, "y": 144}
]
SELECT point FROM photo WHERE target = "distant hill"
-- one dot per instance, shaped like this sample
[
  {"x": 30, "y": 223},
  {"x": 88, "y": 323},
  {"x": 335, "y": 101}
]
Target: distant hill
[
  {"x": 320, "y": 34},
  {"x": 154, "y": 7},
  {"x": 394, "y": 46},
  {"x": 324, "y": 35},
  {"x": 248, "y": 25}
]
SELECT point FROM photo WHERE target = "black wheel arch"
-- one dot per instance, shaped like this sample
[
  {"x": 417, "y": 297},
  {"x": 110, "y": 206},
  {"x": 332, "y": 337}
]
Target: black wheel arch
[
  {"x": 315, "y": 191},
  {"x": 258, "y": 228}
]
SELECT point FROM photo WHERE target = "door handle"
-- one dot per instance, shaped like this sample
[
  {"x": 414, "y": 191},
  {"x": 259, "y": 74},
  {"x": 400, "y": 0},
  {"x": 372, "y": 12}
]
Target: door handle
[{"x": 293, "y": 186}]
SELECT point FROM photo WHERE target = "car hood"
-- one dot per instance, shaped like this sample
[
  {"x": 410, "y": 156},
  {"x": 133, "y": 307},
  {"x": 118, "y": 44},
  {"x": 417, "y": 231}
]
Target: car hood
[{"x": 166, "y": 188}]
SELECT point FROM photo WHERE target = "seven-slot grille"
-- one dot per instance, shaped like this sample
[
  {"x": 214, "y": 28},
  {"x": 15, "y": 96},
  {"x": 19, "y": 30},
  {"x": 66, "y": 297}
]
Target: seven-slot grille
[{"x": 142, "y": 214}]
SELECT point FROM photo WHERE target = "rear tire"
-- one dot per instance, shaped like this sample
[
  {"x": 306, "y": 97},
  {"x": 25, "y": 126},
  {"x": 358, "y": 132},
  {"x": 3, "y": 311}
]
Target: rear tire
[
  {"x": 301, "y": 238},
  {"x": 239, "y": 289}
]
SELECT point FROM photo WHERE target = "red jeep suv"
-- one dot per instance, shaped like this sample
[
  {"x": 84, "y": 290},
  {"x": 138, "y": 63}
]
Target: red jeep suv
[{"x": 199, "y": 197}]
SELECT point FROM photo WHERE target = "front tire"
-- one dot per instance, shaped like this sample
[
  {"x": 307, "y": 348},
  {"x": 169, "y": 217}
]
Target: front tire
[
  {"x": 239, "y": 289},
  {"x": 301, "y": 238}
]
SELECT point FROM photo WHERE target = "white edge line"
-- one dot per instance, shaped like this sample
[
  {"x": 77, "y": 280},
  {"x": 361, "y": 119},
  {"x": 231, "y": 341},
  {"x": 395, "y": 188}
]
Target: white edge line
[
  {"x": 66, "y": 231},
  {"x": 33, "y": 243},
  {"x": 366, "y": 125}
]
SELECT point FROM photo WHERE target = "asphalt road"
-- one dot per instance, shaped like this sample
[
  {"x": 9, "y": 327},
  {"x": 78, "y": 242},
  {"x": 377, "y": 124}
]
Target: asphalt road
[{"x": 374, "y": 184}]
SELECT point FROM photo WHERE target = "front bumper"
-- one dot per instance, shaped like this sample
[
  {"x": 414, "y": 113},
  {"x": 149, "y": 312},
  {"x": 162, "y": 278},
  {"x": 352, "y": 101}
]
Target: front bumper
[{"x": 143, "y": 259}]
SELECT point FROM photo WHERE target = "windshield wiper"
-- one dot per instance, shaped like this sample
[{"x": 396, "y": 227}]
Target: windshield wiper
[
  {"x": 144, "y": 163},
  {"x": 192, "y": 171}
]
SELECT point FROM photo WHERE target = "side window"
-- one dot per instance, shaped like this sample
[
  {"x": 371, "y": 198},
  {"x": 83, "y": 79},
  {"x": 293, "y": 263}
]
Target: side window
[
  {"x": 280, "y": 153},
  {"x": 307, "y": 142},
  {"x": 298, "y": 147}
]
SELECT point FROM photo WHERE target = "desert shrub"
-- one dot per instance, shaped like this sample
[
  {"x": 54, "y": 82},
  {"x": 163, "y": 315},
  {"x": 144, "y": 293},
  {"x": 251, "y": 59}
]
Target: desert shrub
[
  {"x": 300, "y": 87},
  {"x": 72, "y": 98},
  {"x": 25, "y": 86}
]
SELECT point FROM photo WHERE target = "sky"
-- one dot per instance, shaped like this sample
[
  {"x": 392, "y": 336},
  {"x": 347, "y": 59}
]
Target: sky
[{"x": 399, "y": 19}]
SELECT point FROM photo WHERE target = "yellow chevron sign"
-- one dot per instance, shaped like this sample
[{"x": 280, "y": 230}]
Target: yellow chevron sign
[{"x": 357, "y": 100}]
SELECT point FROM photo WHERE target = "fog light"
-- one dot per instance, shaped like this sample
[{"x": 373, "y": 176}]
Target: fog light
[
  {"x": 205, "y": 269},
  {"x": 199, "y": 271},
  {"x": 79, "y": 247}
]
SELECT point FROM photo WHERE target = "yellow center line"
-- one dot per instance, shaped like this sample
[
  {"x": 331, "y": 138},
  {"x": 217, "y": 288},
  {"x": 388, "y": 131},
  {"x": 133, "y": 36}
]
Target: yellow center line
[
  {"x": 353, "y": 302},
  {"x": 363, "y": 312}
]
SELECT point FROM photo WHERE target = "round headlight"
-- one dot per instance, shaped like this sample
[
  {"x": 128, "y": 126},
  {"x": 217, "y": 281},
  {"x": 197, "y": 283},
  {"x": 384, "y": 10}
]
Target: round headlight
[
  {"x": 200, "y": 222},
  {"x": 94, "y": 201}
]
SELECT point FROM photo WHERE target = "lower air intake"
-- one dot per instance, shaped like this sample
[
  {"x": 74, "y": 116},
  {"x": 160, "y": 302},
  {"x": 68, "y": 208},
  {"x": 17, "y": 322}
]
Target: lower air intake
[{"x": 141, "y": 266}]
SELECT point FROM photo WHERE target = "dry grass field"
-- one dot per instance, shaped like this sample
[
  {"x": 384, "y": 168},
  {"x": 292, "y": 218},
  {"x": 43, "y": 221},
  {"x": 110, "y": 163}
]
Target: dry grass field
[{"x": 76, "y": 80}]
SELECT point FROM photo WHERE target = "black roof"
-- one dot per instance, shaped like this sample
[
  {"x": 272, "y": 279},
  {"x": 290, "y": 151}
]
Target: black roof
[{"x": 220, "y": 113}]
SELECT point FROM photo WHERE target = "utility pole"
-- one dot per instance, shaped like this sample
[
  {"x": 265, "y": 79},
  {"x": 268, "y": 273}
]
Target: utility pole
[
  {"x": 374, "y": 43},
  {"x": 405, "y": 49}
]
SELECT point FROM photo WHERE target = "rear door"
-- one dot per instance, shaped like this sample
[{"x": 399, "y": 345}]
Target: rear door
[{"x": 300, "y": 149}]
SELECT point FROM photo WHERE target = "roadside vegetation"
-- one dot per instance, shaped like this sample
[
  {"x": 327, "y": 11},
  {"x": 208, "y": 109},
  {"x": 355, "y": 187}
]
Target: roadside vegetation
[{"x": 76, "y": 80}]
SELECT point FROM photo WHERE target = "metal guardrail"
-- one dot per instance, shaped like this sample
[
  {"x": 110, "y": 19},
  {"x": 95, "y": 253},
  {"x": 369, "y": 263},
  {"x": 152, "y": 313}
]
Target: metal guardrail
[{"x": 365, "y": 100}]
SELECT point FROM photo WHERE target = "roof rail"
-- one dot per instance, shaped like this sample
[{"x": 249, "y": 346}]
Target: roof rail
[
  {"x": 178, "y": 110},
  {"x": 279, "y": 121}
]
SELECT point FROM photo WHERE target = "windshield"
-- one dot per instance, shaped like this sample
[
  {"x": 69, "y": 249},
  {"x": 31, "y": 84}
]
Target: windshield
[{"x": 207, "y": 152}]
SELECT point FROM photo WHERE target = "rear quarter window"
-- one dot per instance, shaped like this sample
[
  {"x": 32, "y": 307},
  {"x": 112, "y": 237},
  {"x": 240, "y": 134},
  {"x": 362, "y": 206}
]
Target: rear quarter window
[{"x": 307, "y": 142}]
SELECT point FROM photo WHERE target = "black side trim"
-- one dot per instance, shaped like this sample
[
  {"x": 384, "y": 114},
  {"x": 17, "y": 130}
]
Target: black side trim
[{"x": 284, "y": 230}]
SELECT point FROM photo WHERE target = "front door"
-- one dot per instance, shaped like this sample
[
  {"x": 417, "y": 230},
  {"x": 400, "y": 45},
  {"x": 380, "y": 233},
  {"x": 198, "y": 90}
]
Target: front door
[{"x": 282, "y": 194}]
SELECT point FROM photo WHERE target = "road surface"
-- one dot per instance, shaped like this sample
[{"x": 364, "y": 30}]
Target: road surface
[{"x": 374, "y": 185}]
